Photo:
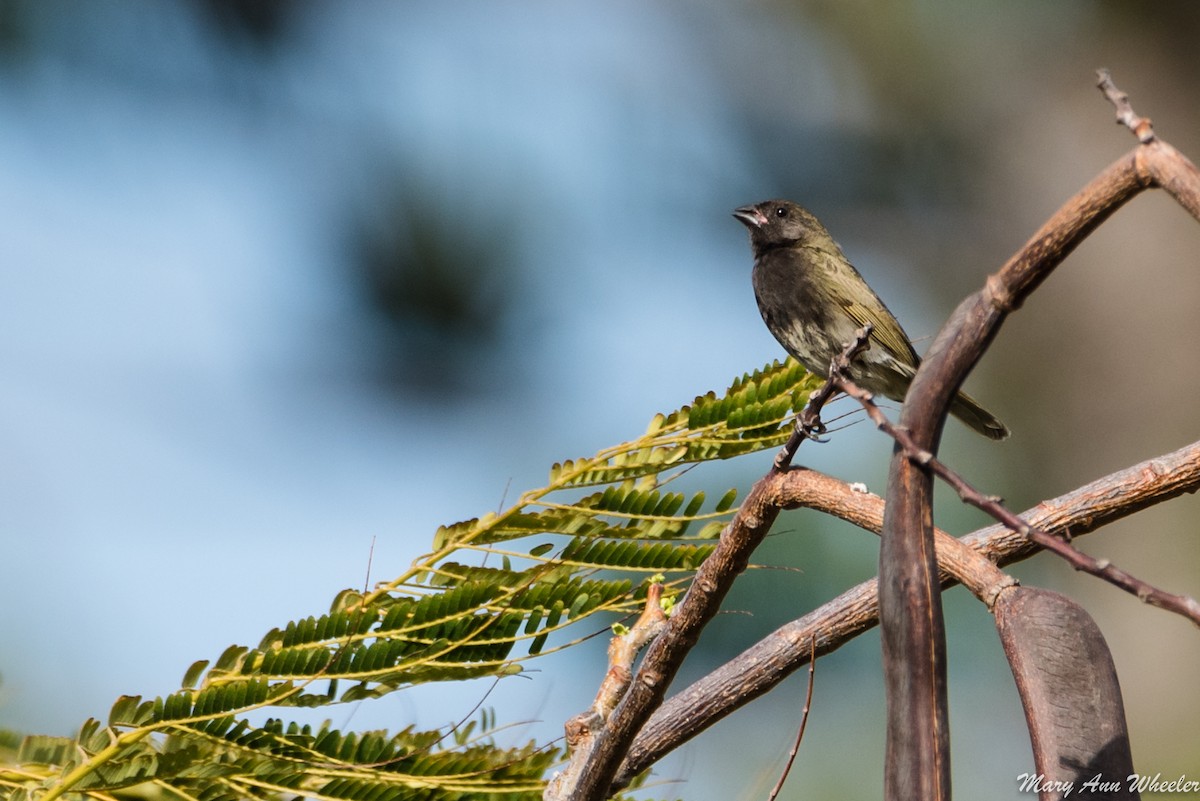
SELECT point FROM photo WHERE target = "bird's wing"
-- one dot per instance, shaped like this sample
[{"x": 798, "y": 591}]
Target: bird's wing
[{"x": 886, "y": 331}]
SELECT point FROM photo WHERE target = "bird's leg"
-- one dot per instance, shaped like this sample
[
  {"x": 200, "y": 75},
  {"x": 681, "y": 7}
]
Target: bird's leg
[
  {"x": 808, "y": 423},
  {"x": 809, "y": 419}
]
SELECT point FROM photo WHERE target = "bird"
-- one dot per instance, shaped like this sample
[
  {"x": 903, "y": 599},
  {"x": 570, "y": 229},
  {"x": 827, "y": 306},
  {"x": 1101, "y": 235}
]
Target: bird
[{"x": 814, "y": 303}]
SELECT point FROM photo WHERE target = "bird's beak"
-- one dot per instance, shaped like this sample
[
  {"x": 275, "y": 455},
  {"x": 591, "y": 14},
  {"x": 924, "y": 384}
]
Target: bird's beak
[{"x": 750, "y": 217}]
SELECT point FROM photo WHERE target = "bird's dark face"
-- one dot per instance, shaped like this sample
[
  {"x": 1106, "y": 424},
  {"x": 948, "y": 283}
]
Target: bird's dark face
[{"x": 780, "y": 223}]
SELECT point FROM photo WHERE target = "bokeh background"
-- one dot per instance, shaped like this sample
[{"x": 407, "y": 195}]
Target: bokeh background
[{"x": 283, "y": 281}]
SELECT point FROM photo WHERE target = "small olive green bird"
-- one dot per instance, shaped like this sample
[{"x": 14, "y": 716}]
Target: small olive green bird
[{"x": 814, "y": 301}]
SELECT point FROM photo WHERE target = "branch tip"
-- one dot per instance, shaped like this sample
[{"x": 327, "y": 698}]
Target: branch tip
[{"x": 1141, "y": 127}]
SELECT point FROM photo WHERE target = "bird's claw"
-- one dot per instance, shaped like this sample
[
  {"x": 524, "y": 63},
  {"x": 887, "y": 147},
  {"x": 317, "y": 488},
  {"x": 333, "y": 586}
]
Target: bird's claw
[{"x": 811, "y": 426}]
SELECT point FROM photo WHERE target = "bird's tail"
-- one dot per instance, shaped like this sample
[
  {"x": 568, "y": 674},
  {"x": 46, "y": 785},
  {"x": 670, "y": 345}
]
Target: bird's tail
[{"x": 968, "y": 410}]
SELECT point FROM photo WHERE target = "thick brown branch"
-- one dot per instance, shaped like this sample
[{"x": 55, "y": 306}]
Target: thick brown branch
[
  {"x": 809, "y": 489},
  {"x": 1169, "y": 169},
  {"x": 767, "y": 663},
  {"x": 622, "y": 650},
  {"x": 913, "y": 640},
  {"x": 665, "y": 655}
]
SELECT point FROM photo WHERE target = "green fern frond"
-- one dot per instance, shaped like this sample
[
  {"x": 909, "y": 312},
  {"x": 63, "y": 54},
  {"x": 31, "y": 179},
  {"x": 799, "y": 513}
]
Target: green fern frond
[{"x": 491, "y": 594}]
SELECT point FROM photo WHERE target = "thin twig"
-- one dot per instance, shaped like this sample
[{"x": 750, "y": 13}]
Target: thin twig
[
  {"x": 1140, "y": 126},
  {"x": 1101, "y": 568},
  {"x": 787, "y": 768}
]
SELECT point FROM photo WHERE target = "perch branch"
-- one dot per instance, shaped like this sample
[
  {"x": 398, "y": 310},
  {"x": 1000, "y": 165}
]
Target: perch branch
[
  {"x": 666, "y": 653},
  {"x": 808, "y": 422}
]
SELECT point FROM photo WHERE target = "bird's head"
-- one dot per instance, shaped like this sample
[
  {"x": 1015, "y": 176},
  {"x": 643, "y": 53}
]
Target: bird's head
[{"x": 781, "y": 223}]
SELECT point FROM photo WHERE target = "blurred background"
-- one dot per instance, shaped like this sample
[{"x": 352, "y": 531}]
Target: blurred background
[{"x": 280, "y": 281}]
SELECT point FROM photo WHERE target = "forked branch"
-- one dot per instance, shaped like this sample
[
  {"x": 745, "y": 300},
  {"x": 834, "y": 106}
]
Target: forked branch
[{"x": 913, "y": 639}]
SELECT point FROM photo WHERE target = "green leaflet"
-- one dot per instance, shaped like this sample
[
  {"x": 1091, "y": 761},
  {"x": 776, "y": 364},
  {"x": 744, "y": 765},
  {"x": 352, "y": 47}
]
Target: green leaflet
[
  {"x": 750, "y": 416},
  {"x": 495, "y": 591},
  {"x": 40, "y": 749},
  {"x": 655, "y": 557}
]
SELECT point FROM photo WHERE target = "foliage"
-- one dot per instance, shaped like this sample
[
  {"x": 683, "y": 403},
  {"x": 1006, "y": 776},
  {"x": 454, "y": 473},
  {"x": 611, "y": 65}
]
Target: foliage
[{"x": 495, "y": 592}]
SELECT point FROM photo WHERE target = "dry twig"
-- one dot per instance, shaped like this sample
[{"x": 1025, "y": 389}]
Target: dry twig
[
  {"x": 1102, "y": 568},
  {"x": 808, "y": 694},
  {"x": 623, "y": 649},
  {"x": 1140, "y": 126}
]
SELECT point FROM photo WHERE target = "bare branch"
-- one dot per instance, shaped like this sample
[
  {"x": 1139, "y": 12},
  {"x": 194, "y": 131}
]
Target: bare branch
[
  {"x": 680, "y": 632},
  {"x": 959, "y": 562},
  {"x": 608, "y": 744},
  {"x": 1156, "y": 162},
  {"x": 767, "y": 663},
  {"x": 1140, "y": 126},
  {"x": 1102, "y": 568},
  {"x": 622, "y": 650}
]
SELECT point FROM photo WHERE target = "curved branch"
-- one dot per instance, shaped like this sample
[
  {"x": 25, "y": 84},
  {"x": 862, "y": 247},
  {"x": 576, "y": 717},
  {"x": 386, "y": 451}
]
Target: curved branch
[
  {"x": 913, "y": 638},
  {"x": 591, "y": 769}
]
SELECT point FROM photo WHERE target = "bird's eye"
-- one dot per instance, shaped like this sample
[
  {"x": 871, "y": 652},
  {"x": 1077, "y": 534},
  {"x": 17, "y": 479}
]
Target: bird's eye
[{"x": 780, "y": 211}]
